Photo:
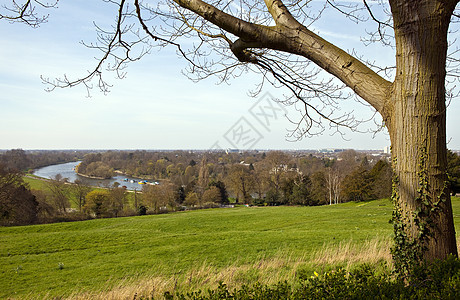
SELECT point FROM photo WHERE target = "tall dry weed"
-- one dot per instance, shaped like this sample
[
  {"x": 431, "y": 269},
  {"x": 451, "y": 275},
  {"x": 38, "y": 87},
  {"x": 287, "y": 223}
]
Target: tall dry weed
[
  {"x": 350, "y": 253},
  {"x": 269, "y": 270}
]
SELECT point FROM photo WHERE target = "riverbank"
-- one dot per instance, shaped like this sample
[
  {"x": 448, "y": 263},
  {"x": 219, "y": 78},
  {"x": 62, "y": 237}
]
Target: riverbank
[
  {"x": 135, "y": 177},
  {"x": 92, "y": 177}
]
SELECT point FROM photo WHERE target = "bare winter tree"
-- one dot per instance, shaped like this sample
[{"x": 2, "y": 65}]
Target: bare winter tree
[
  {"x": 275, "y": 39},
  {"x": 333, "y": 182}
]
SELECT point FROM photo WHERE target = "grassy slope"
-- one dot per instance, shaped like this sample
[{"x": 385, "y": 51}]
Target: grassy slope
[
  {"x": 98, "y": 253},
  {"x": 35, "y": 183}
]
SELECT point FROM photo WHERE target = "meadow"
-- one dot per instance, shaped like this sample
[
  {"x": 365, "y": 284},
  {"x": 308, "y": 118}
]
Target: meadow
[
  {"x": 116, "y": 258},
  {"x": 35, "y": 183}
]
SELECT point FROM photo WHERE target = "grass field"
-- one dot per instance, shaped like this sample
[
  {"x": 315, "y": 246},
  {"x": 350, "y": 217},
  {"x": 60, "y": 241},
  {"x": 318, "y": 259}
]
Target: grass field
[
  {"x": 35, "y": 183},
  {"x": 187, "y": 250}
]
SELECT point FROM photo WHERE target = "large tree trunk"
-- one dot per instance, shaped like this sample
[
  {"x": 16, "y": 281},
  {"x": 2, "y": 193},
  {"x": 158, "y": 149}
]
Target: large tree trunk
[{"x": 417, "y": 125}]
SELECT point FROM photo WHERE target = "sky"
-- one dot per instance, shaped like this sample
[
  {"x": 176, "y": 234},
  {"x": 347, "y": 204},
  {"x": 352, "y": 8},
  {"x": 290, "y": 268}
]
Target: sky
[{"x": 155, "y": 106}]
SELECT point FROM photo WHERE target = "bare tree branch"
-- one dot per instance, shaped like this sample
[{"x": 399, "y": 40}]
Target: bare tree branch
[
  {"x": 112, "y": 43},
  {"x": 27, "y": 12},
  {"x": 233, "y": 37}
]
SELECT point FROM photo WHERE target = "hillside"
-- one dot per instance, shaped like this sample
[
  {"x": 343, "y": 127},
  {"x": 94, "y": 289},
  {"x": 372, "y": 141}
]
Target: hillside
[{"x": 141, "y": 254}]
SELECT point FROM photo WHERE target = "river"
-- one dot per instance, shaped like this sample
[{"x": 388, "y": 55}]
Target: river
[{"x": 67, "y": 170}]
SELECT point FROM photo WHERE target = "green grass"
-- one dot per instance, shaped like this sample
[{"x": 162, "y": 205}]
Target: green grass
[
  {"x": 35, "y": 183},
  {"x": 90, "y": 256}
]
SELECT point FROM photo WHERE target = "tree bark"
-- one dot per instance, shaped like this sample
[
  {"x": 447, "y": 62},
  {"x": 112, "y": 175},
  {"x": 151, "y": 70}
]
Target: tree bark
[{"x": 416, "y": 120}]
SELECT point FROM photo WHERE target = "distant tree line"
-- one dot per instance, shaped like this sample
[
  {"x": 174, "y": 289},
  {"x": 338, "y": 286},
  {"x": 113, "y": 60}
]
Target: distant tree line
[
  {"x": 453, "y": 171},
  {"x": 93, "y": 166},
  {"x": 196, "y": 180},
  {"x": 21, "y": 160},
  {"x": 272, "y": 178}
]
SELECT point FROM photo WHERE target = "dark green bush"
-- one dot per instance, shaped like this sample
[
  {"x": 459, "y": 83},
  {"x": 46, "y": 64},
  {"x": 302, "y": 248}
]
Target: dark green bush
[{"x": 142, "y": 210}]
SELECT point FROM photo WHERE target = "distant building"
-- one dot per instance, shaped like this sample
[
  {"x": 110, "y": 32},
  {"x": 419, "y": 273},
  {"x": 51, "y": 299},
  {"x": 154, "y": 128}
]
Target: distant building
[
  {"x": 387, "y": 150},
  {"x": 232, "y": 151}
]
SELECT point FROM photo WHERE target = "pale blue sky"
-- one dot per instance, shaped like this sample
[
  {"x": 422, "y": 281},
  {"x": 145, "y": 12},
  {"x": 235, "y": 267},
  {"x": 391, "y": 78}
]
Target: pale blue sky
[{"x": 155, "y": 106}]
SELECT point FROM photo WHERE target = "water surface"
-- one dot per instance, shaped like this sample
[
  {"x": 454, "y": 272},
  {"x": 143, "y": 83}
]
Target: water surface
[{"x": 67, "y": 170}]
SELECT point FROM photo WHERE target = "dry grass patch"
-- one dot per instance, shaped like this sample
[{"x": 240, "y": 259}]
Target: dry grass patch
[
  {"x": 350, "y": 253},
  {"x": 270, "y": 271},
  {"x": 281, "y": 267}
]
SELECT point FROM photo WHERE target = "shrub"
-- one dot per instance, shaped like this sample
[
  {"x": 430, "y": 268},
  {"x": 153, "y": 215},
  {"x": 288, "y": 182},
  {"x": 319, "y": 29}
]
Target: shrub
[
  {"x": 18, "y": 206},
  {"x": 210, "y": 205},
  {"x": 142, "y": 210},
  {"x": 98, "y": 202}
]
